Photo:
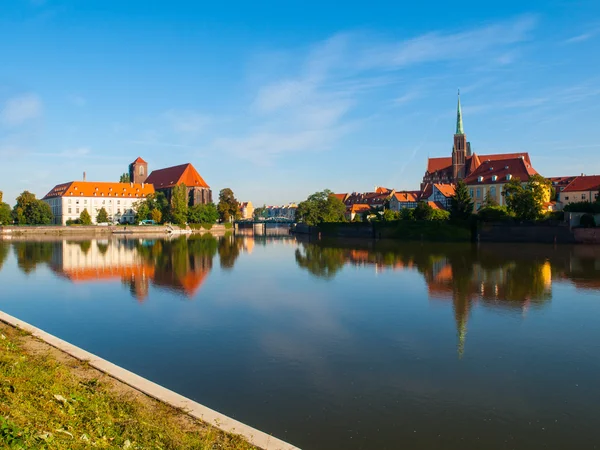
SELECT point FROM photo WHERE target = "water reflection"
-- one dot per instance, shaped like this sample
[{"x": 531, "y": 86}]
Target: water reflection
[{"x": 514, "y": 278}]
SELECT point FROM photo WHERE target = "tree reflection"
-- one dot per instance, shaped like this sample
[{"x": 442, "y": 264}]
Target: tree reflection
[
  {"x": 30, "y": 254},
  {"x": 229, "y": 250},
  {"x": 4, "y": 249},
  {"x": 323, "y": 262}
]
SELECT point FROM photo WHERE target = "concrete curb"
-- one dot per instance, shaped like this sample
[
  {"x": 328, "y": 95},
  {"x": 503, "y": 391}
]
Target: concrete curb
[{"x": 218, "y": 420}]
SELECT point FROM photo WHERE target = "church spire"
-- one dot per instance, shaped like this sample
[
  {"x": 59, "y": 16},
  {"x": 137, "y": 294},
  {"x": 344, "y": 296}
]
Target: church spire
[{"x": 459, "y": 124}]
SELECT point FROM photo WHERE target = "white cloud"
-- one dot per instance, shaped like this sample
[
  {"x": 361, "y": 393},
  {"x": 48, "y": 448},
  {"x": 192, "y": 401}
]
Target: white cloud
[
  {"x": 21, "y": 109},
  {"x": 187, "y": 122},
  {"x": 580, "y": 38},
  {"x": 77, "y": 100},
  {"x": 439, "y": 46}
]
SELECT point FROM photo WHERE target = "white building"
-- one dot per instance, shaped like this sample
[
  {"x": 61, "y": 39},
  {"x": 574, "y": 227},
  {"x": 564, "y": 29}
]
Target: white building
[{"x": 68, "y": 200}]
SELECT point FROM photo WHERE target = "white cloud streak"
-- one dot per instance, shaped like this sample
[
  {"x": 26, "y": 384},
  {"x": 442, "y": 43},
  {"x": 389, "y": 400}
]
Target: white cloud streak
[{"x": 19, "y": 110}]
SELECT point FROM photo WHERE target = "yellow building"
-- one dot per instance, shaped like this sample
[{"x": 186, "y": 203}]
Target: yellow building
[{"x": 247, "y": 210}]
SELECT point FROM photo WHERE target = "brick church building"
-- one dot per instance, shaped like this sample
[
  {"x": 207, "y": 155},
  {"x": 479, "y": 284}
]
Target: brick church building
[
  {"x": 463, "y": 162},
  {"x": 164, "y": 180}
]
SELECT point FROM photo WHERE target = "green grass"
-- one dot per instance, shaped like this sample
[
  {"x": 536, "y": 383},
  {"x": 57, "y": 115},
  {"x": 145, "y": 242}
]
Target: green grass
[{"x": 51, "y": 404}]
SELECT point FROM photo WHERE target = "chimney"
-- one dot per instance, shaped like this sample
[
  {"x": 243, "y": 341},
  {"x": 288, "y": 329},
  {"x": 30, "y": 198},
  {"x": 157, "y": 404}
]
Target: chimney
[{"x": 83, "y": 176}]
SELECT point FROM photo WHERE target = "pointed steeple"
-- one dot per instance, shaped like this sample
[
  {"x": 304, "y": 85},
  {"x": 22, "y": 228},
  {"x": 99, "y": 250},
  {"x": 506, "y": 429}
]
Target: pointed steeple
[{"x": 459, "y": 124}]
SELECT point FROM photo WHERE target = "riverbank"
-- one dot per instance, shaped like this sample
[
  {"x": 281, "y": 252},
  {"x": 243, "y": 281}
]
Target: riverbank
[
  {"x": 52, "y": 400},
  {"x": 9, "y": 232}
]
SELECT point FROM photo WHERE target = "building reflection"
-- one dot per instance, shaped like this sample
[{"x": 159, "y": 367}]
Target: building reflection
[
  {"x": 512, "y": 278},
  {"x": 180, "y": 265}
]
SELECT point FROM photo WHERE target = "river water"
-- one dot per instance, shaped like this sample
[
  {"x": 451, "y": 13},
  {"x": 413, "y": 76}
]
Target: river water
[{"x": 338, "y": 344}]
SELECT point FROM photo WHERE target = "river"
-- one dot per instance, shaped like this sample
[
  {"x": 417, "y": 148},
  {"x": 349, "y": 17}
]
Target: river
[{"x": 338, "y": 344}]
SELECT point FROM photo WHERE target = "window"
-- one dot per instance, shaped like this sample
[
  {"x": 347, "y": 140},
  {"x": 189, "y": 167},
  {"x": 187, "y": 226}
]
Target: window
[
  {"x": 493, "y": 191},
  {"x": 566, "y": 197},
  {"x": 141, "y": 172},
  {"x": 478, "y": 193},
  {"x": 582, "y": 196},
  {"x": 69, "y": 210},
  {"x": 77, "y": 211},
  {"x": 471, "y": 192}
]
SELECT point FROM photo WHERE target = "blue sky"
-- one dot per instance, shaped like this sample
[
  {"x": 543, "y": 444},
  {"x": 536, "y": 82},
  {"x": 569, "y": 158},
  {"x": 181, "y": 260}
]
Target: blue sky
[{"x": 280, "y": 99}]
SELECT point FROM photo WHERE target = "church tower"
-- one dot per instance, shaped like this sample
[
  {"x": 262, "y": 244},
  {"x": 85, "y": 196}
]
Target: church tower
[
  {"x": 461, "y": 149},
  {"x": 138, "y": 171}
]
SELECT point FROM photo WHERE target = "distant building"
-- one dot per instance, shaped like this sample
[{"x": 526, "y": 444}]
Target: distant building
[
  {"x": 404, "y": 200},
  {"x": 441, "y": 194},
  {"x": 68, "y": 200},
  {"x": 281, "y": 212},
  {"x": 581, "y": 189},
  {"x": 490, "y": 177},
  {"x": 164, "y": 180},
  {"x": 247, "y": 210}
]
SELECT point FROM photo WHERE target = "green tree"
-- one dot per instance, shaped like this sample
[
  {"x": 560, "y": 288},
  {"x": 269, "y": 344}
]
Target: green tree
[
  {"x": 407, "y": 214},
  {"x": 461, "y": 203},
  {"x": 228, "y": 207},
  {"x": 526, "y": 201},
  {"x": 423, "y": 211},
  {"x": 142, "y": 210},
  {"x": 102, "y": 216},
  {"x": 5, "y": 215},
  {"x": 489, "y": 201},
  {"x": 31, "y": 211},
  {"x": 389, "y": 215},
  {"x": 260, "y": 212},
  {"x": 125, "y": 178},
  {"x": 179, "y": 204},
  {"x": 156, "y": 215},
  {"x": 321, "y": 207},
  {"x": 203, "y": 213},
  {"x": 85, "y": 218}
]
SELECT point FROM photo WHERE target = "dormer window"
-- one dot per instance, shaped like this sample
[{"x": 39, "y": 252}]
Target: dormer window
[
  {"x": 494, "y": 177},
  {"x": 509, "y": 177},
  {"x": 480, "y": 179}
]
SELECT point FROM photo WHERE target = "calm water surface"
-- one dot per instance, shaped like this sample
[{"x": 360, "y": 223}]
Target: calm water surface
[{"x": 338, "y": 345}]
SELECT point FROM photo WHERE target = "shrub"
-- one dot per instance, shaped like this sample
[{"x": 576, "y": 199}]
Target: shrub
[
  {"x": 228, "y": 225},
  {"x": 439, "y": 214},
  {"x": 493, "y": 214},
  {"x": 587, "y": 221},
  {"x": 207, "y": 226},
  {"x": 583, "y": 207}
]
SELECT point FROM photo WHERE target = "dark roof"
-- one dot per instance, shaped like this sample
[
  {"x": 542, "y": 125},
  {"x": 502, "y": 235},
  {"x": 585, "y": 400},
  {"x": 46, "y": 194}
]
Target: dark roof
[{"x": 172, "y": 176}]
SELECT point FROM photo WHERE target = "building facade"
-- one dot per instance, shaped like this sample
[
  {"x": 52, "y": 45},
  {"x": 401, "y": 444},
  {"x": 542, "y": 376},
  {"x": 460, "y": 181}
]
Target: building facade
[
  {"x": 247, "y": 210},
  {"x": 67, "y": 201},
  {"x": 580, "y": 189}
]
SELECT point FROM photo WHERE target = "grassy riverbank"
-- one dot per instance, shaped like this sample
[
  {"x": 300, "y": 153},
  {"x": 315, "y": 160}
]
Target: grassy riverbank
[{"x": 49, "y": 400}]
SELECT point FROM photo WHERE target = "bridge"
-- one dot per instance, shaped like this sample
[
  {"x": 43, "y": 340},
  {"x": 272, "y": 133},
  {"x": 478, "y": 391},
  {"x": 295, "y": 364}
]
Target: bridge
[{"x": 260, "y": 227}]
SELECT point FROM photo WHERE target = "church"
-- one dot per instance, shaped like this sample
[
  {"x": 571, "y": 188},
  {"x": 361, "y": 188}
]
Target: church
[
  {"x": 463, "y": 162},
  {"x": 164, "y": 180}
]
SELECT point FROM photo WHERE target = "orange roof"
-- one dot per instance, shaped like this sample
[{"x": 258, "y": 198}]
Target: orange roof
[
  {"x": 584, "y": 183},
  {"x": 447, "y": 190},
  {"x": 407, "y": 196},
  {"x": 435, "y": 164},
  {"x": 383, "y": 190},
  {"x": 172, "y": 176},
  {"x": 436, "y": 205},
  {"x": 342, "y": 197},
  {"x": 139, "y": 160},
  {"x": 100, "y": 189},
  {"x": 357, "y": 207},
  {"x": 495, "y": 172}
]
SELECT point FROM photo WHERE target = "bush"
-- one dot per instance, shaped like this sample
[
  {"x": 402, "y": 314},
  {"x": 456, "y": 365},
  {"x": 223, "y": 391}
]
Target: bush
[
  {"x": 587, "y": 221},
  {"x": 228, "y": 225},
  {"x": 439, "y": 214},
  {"x": 493, "y": 214},
  {"x": 206, "y": 226},
  {"x": 583, "y": 207},
  {"x": 73, "y": 222}
]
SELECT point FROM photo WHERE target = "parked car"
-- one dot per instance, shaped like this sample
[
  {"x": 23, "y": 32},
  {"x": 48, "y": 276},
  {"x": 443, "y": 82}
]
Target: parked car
[{"x": 147, "y": 222}]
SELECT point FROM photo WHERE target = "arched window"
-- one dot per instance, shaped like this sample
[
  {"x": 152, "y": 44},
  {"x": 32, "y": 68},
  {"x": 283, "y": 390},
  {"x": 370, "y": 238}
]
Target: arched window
[{"x": 141, "y": 170}]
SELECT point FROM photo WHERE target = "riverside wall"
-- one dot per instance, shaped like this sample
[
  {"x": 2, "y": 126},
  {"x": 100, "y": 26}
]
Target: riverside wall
[{"x": 92, "y": 230}]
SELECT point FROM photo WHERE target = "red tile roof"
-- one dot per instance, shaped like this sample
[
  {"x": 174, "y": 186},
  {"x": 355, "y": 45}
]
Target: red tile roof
[
  {"x": 383, "y": 190},
  {"x": 561, "y": 181},
  {"x": 359, "y": 207},
  {"x": 100, "y": 189},
  {"x": 342, "y": 197},
  {"x": 172, "y": 176},
  {"x": 436, "y": 205},
  {"x": 447, "y": 190},
  {"x": 584, "y": 183},
  {"x": 139, "y": 160},
  {"x": 495, "y": 172},
  {"x": 435, "y": 164},
  {"x": 407, "y": 196}
]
